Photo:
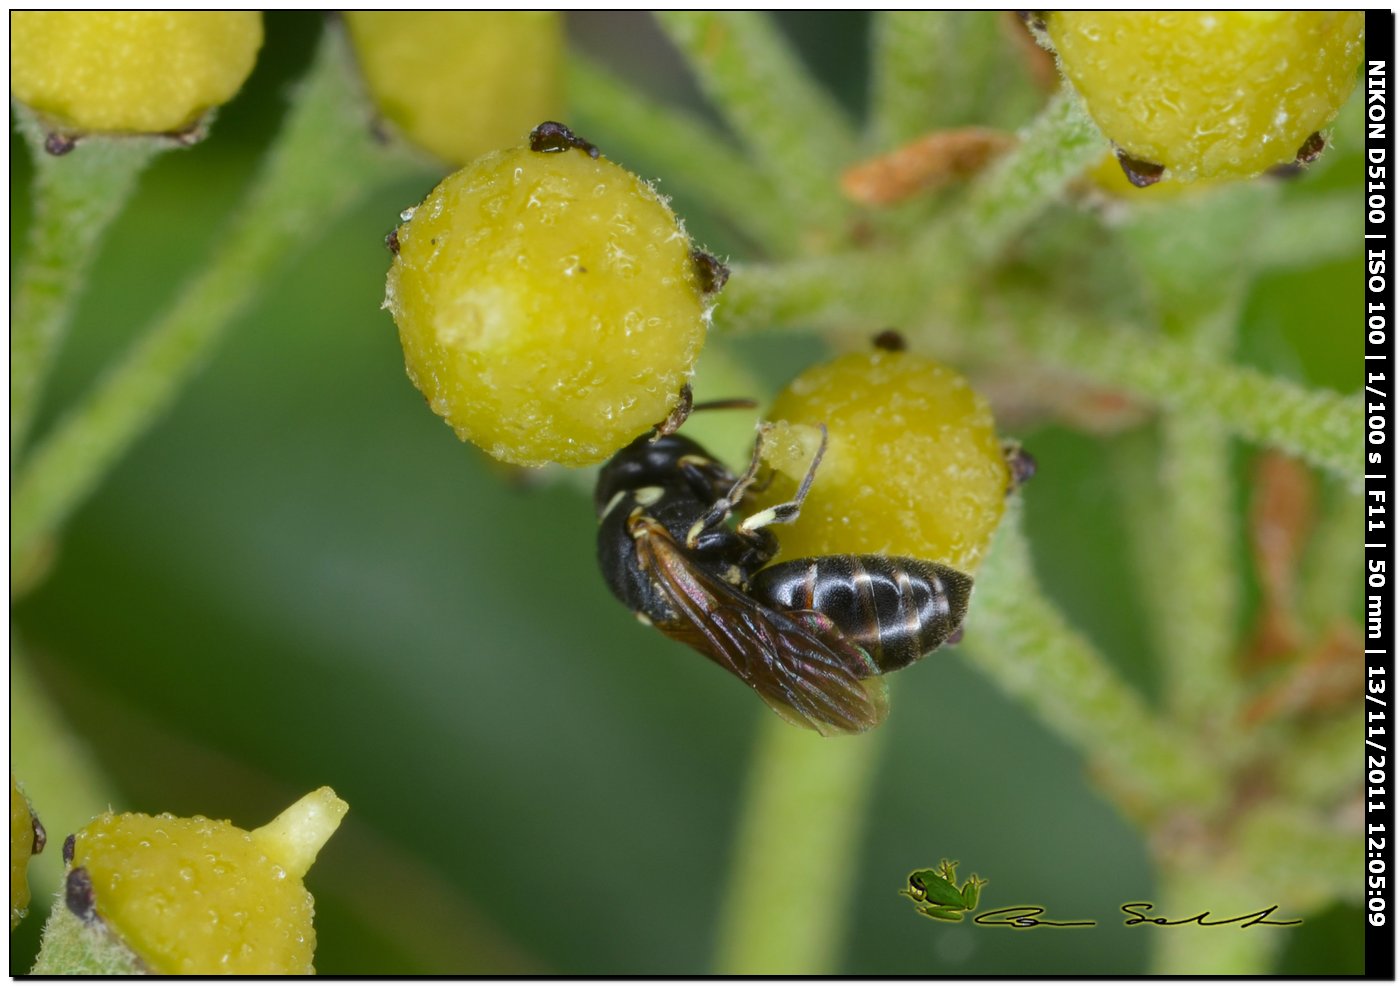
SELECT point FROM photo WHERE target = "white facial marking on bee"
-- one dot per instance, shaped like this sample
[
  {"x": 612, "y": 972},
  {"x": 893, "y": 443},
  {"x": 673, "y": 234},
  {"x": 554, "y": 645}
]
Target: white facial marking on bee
[
  {"x": 647, "y": 495},
  {"x": 617, "y": 498}
]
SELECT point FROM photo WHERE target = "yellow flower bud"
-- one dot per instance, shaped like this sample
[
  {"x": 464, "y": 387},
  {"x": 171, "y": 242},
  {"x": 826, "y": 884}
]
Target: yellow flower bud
[
  {"x": 26, "y": 838},
  {"x": 549, "y": 304},
  {"x": 194, "y": 896},
  {"x": 130, "y": 71},
  {"x": 460, "y": 83},
  {"x": 1210, "y": 94},
  {"x": 913, "y": 466}
]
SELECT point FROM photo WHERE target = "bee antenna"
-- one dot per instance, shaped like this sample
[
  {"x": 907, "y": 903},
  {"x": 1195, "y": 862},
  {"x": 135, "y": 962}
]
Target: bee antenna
[
  {"x": 726, "y": 404},
  {"x": 678, "y": 414}
]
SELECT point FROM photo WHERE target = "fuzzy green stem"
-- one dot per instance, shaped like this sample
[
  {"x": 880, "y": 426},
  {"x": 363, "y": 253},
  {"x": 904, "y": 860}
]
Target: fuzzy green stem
[
  {"x": 912, "y": 85},
  {"x": 1202, "y": 605},
  {"x": 1281, "y": 855},
  {"x": 1228, "y": 951},
  {"x": 1055, "y": 148},
  {"x": 853, "y": 293},
  {"x": 76, "y": 197},
  {"x": 936, "y": 69},
  {"x": 802, "y": 814},
  {"x": 1321, "y": 427},
  {"x": 325, "y": 158},
  {"x": 847, "y": 292},
  {"x": 796, "y": 132},
  {"x": 1022, "y": 643},
  {"x": 1196, "y": 260},
  {"x": 1301, "y": 859},
  {"x": 71, "y": 947},
  {"x": 685, "y": 150}
]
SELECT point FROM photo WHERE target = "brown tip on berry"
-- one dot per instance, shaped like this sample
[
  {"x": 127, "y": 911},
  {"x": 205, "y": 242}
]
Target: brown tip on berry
[
  {"x": 78, "y": 894},
  {"x": 891, "y": 341},
  {"x": 711, "y": 272},
  {"x": 59, "y": 144},
  {"x": 41, "y": 838},
  {"x": 552, "y": 138},
  {"x": 1033, "y": 19},
  {"x": 68, "y": 849},
  {"x": 1312, "y": 149},
  {"x": 1140, "y": 173},
  {"x": 1021, "y": 464}
]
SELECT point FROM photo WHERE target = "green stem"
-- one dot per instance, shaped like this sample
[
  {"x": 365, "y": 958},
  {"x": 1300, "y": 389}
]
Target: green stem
[
  {"x": 802, "y": 814},
  {"x": 847, "y": 292},
  {"x": 1023, "y": 644},
  {"x": 852, "y": 294},
  {"x": 76, "y": 197},
  {"x": 1227, "y": 951},
  {"x": 1196, "y": 260},
  {"x": 1321, "y": 427},
  {"x": 324, "y": 159},
  {"x": 1301, "y": 858},
  {"x": 912, "y": 84},
  {"x": 796, "y": 132},
  {"x": 1202, "y": 604},
  {"x": 1055, "y": 149},
  {"x": 936, "y": 69},
  {"x": 685, "y": 150},
  {"x": 73, "y": 947}
]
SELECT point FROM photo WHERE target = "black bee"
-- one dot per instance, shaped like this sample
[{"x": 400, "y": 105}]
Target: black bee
[{"x": 812, "y": 636}]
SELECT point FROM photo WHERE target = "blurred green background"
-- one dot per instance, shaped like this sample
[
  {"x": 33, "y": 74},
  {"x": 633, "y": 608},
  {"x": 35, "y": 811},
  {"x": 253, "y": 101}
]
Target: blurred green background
[{"x": 300, "y": 577}]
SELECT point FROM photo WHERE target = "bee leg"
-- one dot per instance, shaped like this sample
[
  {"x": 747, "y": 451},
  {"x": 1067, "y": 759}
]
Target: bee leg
[
  {"x": 724, "y": 506},
  {"x": 785, "y": 513}
]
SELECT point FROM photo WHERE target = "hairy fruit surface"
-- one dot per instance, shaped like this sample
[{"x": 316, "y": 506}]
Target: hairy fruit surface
[
  {"x": 196, "y": 896},
  {"x": 913, "y": 465},
  {"x": 461, "y": 83},
  {"x": 130, "y": 71},
  {"x": 1210, "y": 94},
  {"x": 549, "y": 305}
]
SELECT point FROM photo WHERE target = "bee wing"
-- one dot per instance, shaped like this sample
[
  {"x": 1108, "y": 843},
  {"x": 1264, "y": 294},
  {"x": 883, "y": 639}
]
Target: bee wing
[{"x": 809, "y": 677}]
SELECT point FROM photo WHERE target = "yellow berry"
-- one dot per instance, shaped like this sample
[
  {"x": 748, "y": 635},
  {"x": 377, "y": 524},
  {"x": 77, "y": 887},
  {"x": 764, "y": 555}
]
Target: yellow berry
[
  {"x": 912, "y": 467},
  {"x": 25, "y": 840},
  {"x": 549, "y": 305},
  {"x": 460, "y": 83},
  {"x": 194, "y": 896},
  {"x": 1210, "y": 94},
  {"x": 130, "y": 71}
]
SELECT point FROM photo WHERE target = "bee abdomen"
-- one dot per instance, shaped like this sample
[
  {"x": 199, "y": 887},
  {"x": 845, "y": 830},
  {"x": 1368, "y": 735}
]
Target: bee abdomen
[{"x": 895, "y": 609}]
